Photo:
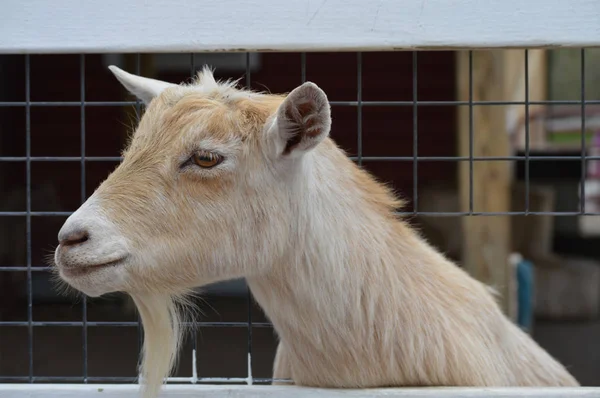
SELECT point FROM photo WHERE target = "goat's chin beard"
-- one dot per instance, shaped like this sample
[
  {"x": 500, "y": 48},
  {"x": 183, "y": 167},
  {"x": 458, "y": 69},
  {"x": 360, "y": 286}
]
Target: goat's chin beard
[{"x": 162, "y": 316}]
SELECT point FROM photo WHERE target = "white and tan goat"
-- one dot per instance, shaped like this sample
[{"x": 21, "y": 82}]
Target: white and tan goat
[{"x": 219, "y": 183}]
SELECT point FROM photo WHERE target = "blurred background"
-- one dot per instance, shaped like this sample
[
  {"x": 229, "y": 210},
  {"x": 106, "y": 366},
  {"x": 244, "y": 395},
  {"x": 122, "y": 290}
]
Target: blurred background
[{"x": 386, "y": 105}]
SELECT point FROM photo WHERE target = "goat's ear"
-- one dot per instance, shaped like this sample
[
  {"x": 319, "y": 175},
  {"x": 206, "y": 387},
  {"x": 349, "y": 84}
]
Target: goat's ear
[
  {"x": 302, "y": 121},
  {"x": 142, "y": 87}
]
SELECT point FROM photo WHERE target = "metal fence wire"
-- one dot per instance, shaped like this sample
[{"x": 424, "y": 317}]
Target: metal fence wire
[{"x": 359, "y": 103}]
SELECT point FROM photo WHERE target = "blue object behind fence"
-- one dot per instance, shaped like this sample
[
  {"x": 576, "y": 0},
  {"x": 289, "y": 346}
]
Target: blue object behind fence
[{"x": 525, "y": 290}]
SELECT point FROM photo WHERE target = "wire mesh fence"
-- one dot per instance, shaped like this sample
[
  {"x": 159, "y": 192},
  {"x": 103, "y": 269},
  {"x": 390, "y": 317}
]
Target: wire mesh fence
[{"x": 415, "y": 105}]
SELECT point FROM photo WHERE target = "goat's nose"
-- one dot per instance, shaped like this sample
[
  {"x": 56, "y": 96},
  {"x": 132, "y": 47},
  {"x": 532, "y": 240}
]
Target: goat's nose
[{"x": 73, "y": 237}]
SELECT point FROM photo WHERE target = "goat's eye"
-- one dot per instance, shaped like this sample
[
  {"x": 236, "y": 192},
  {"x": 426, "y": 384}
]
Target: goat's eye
[{"x": 207, "y": 160}]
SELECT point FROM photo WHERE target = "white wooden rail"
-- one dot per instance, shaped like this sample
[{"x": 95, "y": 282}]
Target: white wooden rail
[
  {"x": 73, "y": 26},
  {"x": 204, "y": 391}
]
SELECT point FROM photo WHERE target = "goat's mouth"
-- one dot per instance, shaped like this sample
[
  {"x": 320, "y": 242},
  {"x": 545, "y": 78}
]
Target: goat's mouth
[{"x": 84, "y": 270}]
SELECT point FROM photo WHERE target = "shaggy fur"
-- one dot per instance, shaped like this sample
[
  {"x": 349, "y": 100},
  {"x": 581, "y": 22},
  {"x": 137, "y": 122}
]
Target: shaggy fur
[{"x": 356, "y": 296}]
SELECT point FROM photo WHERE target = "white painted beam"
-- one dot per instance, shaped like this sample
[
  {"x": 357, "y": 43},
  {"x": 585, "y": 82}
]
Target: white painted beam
[
  {"x": 209, "y": 391},
  {"x": 72, "y": 26}
]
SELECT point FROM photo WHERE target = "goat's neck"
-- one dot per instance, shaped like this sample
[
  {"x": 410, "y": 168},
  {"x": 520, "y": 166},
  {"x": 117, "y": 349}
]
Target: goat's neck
[{"x": 348, "y": 256}]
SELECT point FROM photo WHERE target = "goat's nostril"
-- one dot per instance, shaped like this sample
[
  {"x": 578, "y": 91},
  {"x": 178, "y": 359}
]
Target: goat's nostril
[{"x": 74, "y": 238}]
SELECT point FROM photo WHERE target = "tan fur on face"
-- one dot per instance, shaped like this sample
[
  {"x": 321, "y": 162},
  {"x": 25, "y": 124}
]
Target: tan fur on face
[{"x": 357, "y": 298}]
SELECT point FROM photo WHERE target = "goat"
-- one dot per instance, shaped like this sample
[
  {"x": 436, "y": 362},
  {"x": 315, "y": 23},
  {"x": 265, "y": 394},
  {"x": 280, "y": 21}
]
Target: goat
[{"x": 219, "y": 182}]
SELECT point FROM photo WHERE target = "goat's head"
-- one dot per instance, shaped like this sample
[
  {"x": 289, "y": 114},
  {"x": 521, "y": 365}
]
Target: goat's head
[{"x": 202, "y": 192}]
